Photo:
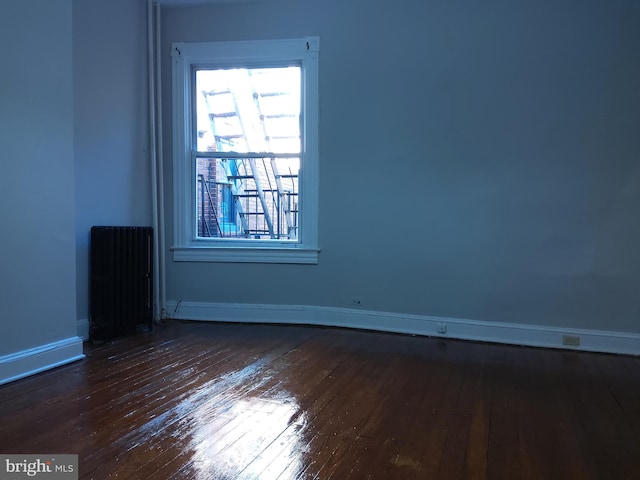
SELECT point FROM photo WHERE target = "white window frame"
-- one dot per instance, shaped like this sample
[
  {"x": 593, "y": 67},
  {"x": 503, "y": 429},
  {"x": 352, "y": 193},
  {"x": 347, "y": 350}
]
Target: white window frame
[{"x": 186, "y": 57}]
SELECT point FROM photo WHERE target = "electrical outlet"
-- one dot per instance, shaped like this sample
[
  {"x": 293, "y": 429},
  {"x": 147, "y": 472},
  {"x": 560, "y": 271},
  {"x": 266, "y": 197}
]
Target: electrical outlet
[
  {"x": 571, "y": 340},
  {"x": 442, "y": 328}
]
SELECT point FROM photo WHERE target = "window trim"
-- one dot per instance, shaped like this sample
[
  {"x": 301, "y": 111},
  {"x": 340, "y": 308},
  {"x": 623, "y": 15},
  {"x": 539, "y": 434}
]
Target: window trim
[{"x": 186, "y": 57}]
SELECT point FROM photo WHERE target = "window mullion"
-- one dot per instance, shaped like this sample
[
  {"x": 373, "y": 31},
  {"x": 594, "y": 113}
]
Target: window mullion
[{"x": 238, "y": 155}]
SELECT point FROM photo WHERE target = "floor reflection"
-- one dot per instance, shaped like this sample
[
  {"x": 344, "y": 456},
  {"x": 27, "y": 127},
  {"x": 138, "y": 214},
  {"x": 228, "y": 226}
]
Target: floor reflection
[{"x": 256, "y": 437}]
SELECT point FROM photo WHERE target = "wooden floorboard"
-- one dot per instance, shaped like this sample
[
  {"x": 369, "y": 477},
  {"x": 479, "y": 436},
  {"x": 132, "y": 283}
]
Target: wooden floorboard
[{"x": 235, "y": 401}]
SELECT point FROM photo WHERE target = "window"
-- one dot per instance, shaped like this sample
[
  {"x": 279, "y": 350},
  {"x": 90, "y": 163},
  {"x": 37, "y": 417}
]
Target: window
[{"x": 246, "y": 151}]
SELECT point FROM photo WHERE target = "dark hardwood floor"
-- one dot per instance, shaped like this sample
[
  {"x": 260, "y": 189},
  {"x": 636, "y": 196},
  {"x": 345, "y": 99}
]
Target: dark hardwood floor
[{"x": 227, "y": 401}]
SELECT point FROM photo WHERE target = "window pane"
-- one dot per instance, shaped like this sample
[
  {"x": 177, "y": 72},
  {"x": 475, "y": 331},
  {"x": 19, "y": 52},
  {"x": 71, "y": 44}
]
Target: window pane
[
  {"x": 247, "y": 198},
  {"x": 248, "y": 110}
]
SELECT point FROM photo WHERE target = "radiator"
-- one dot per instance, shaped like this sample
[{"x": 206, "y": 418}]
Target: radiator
[{"x": 121, "y": 292}]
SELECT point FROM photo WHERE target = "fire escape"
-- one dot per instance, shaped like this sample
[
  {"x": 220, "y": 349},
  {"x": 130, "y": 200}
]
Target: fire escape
[{"x": 262, "y": 191}]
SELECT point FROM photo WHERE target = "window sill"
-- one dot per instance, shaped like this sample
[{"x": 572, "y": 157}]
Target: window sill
[{"x": 246, "y": 255}]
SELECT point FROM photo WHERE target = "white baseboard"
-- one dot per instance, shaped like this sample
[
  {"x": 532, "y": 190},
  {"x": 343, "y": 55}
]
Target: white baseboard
[
  {"x": 82, "y": 328},
  {"x": 35, "y": 360},
  {"x": 496, "y": 332}
]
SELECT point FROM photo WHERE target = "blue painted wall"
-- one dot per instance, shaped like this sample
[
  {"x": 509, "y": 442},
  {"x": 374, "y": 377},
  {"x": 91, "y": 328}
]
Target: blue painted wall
[
  {"x": 111, "y": 136},
  {"x": 37, "y": 203},
  {"x": 479, "y": 160}
]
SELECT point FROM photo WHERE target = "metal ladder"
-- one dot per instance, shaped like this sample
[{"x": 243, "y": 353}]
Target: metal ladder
[
  {"x": 285, "y": 195},
  {"x": 241, "y": 174}
]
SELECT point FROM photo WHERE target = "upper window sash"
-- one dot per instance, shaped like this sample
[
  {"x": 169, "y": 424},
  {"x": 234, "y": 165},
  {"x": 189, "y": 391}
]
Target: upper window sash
[{"x": 229, "y": 101}]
